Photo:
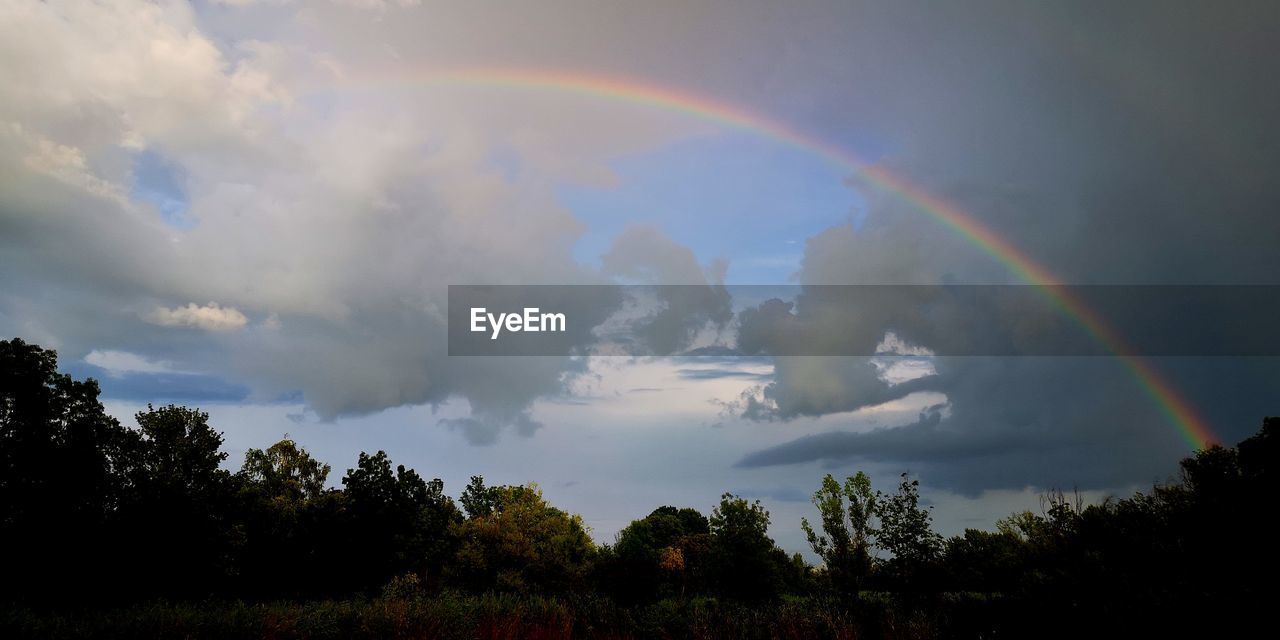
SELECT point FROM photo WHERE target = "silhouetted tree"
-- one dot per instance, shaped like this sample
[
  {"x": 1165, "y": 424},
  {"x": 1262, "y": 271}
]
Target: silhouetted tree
[
  {"x": 94, "y": 511},
  {"x": 60, "y": 477},
  {"x": 398, "y": 523},
  {"x": 746, "y": 564},
  {"x": 177, "y": 512},
  {"x": 984, "y": 561}
]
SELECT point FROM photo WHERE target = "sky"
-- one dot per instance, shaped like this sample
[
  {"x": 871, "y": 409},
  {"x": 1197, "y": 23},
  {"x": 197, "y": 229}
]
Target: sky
[{"x": 256, "y": 208}]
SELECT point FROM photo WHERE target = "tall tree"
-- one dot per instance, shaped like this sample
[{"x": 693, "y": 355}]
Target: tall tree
[
  {"x": 178, "y": 511},
  {"x": 747, "y": 563},
  {"x": 285, "y": 472},
  {"x": 662, "y": 554},
  {"x": 399, "y": 522},
  {"x": 477, "y": 499},
  {"x": 290, "y": 523},
  {"x": 847, "y": 530},
  {"x": 906, "y": 532},
  {"x": 523, "y": 544},
  {"x": 60, "y": 480}
]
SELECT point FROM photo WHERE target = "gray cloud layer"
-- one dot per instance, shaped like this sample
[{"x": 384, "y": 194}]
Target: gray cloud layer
[{"x": 1121, "y": 144}]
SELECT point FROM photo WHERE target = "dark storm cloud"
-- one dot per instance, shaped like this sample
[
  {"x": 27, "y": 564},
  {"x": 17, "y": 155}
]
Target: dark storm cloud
[
  {"x": 818, "y": 385},
  {"x": 1123, "y": 144},
  {"x": 1016, "y": 320},
  {"x": 1129, "y": 143},
  {"x": 1047, "y": 422}
]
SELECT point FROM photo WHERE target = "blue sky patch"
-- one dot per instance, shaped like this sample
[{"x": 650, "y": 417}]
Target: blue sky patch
[
  {"x": 740, "y": 196},
  {"x": 160, "y": 182},
  {"x": 159, "y": 386}
]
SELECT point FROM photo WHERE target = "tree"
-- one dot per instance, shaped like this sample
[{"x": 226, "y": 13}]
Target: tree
[
  {"x": 180, "y": 452},
  {"x": 1021, "y": 525},
  {"x": 289, "y": 520},
  {"x": 747, "y": 565},
  {"x": 60, "y": 477},
  {"x": 176, "y": 514},
  {"x": 984, "y": 561},
  {"x": 284, "y": 472},
  {"x": 477, "y": 499},
  {"x": 847, "y": 531},
  {"x": 398, "y": 523},
  {"x": 662, "y": 554},
  {"x": 905, "y": 531},
  {"x": 1259, "y": 455},
  {"x": 521, "y": 543}
]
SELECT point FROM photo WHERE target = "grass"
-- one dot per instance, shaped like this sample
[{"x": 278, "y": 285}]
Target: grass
[{"x": 502, "y": 617}]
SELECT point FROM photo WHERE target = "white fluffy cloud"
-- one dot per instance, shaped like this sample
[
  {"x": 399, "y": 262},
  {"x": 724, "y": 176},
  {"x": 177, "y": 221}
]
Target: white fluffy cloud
[
  {"x": 336, "y": 211},
  {"x": 210, "y": 317},
  {"x": 118, "y": 362}
]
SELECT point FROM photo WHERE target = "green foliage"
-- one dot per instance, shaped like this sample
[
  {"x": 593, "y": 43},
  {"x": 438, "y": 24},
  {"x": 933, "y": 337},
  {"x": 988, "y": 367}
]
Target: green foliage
[
  {"x": 522, "y": 544},
  {"x": 664, "y": 554},
  {"x": 284, "y": 473},
  {"x": 847, "y": 531},
  {"x": 746, "y": 563},
  {"x": 477, "y": 499},
  {"x": 404, "y": 586},
  {"x": 287, "y": 523},
  {"x": 905, "y": 527},
  {"x": 739, "y": 522},
  {"x": 1022, "y": 525}
]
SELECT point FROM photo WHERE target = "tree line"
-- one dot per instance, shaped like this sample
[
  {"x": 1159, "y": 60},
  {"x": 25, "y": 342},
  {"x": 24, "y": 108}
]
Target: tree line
[{"x": 93, "y": 511}]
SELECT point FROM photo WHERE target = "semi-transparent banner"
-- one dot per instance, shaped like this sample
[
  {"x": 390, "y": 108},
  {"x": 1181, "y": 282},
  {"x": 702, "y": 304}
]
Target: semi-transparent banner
[{"x": 864, "y": 320}]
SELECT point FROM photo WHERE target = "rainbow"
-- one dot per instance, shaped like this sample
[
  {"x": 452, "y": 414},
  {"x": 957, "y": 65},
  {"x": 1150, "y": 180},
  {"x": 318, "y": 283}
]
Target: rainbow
[{"x": 1179, "y": 412}]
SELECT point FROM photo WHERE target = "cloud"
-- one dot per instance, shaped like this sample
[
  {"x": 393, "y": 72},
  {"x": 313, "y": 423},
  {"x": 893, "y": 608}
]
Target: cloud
[
  {"x": 484, "y": 430},
  {"x": 337, "y": 218},
  {"x": 698, "y": 302},
  {"x": 117, "y": 362},
  {"x": 209, "y": 317},
  {"x": 643, "y": 253},
  {"x": 377, "y": 4},
  {"x": 718, "y": 373},
  {"x": 1112, "y": 151}
]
